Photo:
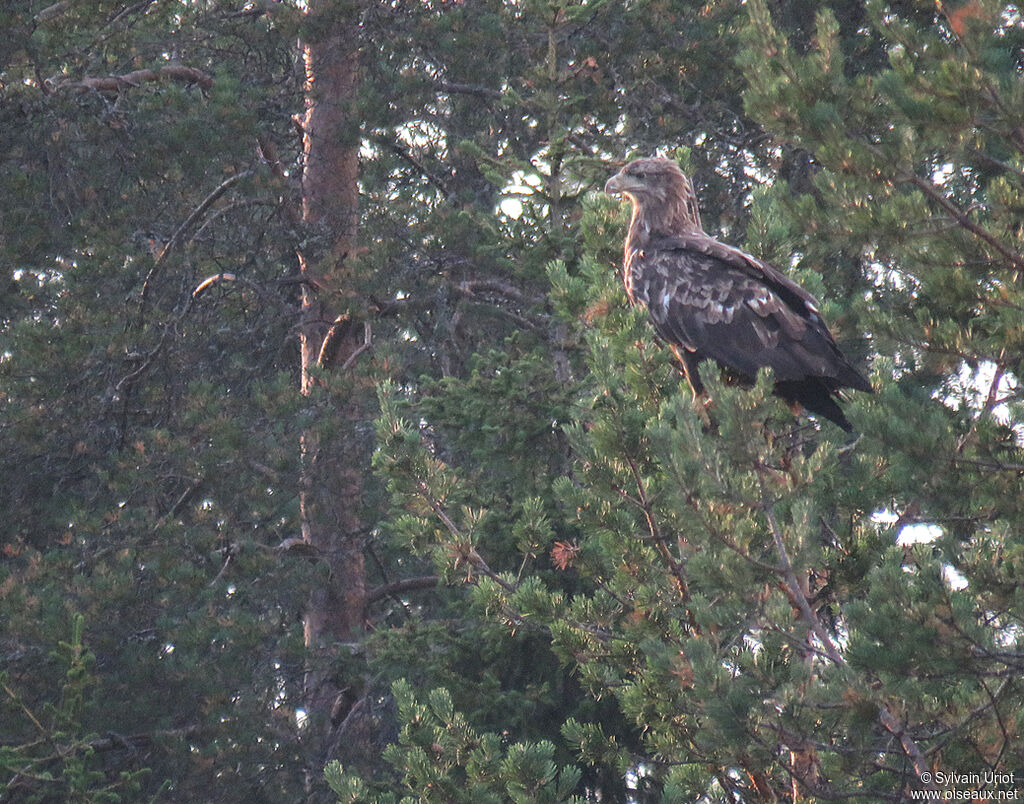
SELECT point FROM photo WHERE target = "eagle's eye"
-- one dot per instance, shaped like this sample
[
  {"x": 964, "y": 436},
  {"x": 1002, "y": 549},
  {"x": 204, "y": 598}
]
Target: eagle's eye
[{"x": 640, "y": 174}]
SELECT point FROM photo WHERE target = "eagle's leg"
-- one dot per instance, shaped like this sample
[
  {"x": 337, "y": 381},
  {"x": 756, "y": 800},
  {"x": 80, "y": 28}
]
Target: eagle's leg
[{"x": 701, "y": 400}]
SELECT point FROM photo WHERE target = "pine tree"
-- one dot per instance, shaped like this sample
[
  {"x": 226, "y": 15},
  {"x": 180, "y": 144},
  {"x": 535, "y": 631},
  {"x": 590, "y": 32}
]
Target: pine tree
[
  {"x": 151, "y": 406},
  {"x": 916, "y": 193},
  {"x": 751, "y": 599},
  {"x": 619, "y": 604},
  {"x": 152, "y": 358}
]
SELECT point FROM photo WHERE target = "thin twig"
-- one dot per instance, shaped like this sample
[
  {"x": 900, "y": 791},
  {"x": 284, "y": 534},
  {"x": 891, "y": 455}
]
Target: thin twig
[
  {"x": 28, "y": 712},
  {"x": 223, "y": 569}
]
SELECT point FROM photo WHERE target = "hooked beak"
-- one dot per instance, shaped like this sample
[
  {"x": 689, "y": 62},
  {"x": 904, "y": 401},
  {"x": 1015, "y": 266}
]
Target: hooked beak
[
  {"x": 620, "y": 183},
  {"x": 613, "y": 186}
]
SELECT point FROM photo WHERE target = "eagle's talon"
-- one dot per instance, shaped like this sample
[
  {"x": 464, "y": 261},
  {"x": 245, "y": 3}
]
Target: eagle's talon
[{"x": 703, "y": 404}]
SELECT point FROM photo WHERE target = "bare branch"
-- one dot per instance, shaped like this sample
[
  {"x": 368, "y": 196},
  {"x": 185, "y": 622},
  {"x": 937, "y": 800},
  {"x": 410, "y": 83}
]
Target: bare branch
[
  {"x": 398, "y": 587},
  {"x": 179, "y": 233},
  {"x": 468, "y": 89},
  {"x": 910, "y": 747},
  {"x": 198, "y": 212},
  {"x": 298, "y": 546},
  {"x": 366, "y": 344},
  {"x": 116, "y": 83},
  {"x": 52, "y": 12},
  {"x": 340, "y": 329},
  {"x": 133, "y": 742},
  {"x": 495, "y": 287},
  {"x": 212, "y": 280}
]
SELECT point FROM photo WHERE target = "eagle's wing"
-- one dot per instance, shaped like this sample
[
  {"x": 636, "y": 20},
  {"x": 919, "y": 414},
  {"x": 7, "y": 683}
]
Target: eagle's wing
[{"x": 717, "y": 302}]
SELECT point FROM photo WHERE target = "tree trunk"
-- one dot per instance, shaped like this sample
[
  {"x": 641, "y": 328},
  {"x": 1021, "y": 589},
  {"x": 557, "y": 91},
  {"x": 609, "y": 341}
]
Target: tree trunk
[{"x": 333, "y": 448}]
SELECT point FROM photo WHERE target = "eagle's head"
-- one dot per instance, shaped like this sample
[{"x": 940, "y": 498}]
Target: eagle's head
[{"x": 662, "y": 196}]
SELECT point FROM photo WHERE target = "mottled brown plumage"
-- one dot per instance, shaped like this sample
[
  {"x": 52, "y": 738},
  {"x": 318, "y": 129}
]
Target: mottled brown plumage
[{"x": 709, "y": 300}]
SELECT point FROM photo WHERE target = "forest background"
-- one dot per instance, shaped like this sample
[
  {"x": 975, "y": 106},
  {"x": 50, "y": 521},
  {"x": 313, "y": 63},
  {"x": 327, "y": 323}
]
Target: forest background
[{"x": 336, "y": 467}]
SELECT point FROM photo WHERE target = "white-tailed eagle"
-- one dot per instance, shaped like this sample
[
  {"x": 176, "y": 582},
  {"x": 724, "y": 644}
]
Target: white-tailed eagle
[{"x": 709, "y": 300}]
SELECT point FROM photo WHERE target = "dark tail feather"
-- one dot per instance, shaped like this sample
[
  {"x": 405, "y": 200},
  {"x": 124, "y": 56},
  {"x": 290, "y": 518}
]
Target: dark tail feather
[
  {"x": 849, "y": 377},
  {"x": 814, "y": 395}
]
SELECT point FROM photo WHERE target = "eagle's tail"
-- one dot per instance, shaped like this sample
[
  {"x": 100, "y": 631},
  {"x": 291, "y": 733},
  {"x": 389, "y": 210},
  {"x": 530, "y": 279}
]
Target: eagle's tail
[{"x": 814, "y": 394}]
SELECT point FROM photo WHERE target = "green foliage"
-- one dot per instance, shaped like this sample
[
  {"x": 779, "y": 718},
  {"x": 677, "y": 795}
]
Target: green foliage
[
  {"x": 625, "y": 601},
  {"x": 738, "y": 591},
  {"x": 443, "y": 759},
  {"x": 53, "y": 757}
]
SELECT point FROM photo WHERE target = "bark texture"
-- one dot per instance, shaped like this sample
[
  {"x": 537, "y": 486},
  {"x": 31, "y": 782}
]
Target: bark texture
[{"x": 334, "y": 451}]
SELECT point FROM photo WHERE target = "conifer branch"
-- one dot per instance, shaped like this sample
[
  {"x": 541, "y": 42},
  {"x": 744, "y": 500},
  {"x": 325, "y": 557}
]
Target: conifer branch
[
  {"x": 799, "y": 599},
  {"x": 464, "y": 549},
  {"x": 676, "y": 567},
  {"x": 416, "y": 164},
  {"x": 992, "y": 703},
  {"x": 482, "y": 288},
  {"x": 932, "y": 193},
  {"x": 193, "y": 487},
  {"x": 796, "y": 593}
]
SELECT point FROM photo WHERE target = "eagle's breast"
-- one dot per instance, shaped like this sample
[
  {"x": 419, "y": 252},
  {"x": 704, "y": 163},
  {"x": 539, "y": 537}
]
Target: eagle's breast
[{"x": 632, "y": 277}]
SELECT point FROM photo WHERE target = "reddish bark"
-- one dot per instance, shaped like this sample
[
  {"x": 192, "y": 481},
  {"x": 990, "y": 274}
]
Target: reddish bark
[{"x": 332, "y": 487}]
